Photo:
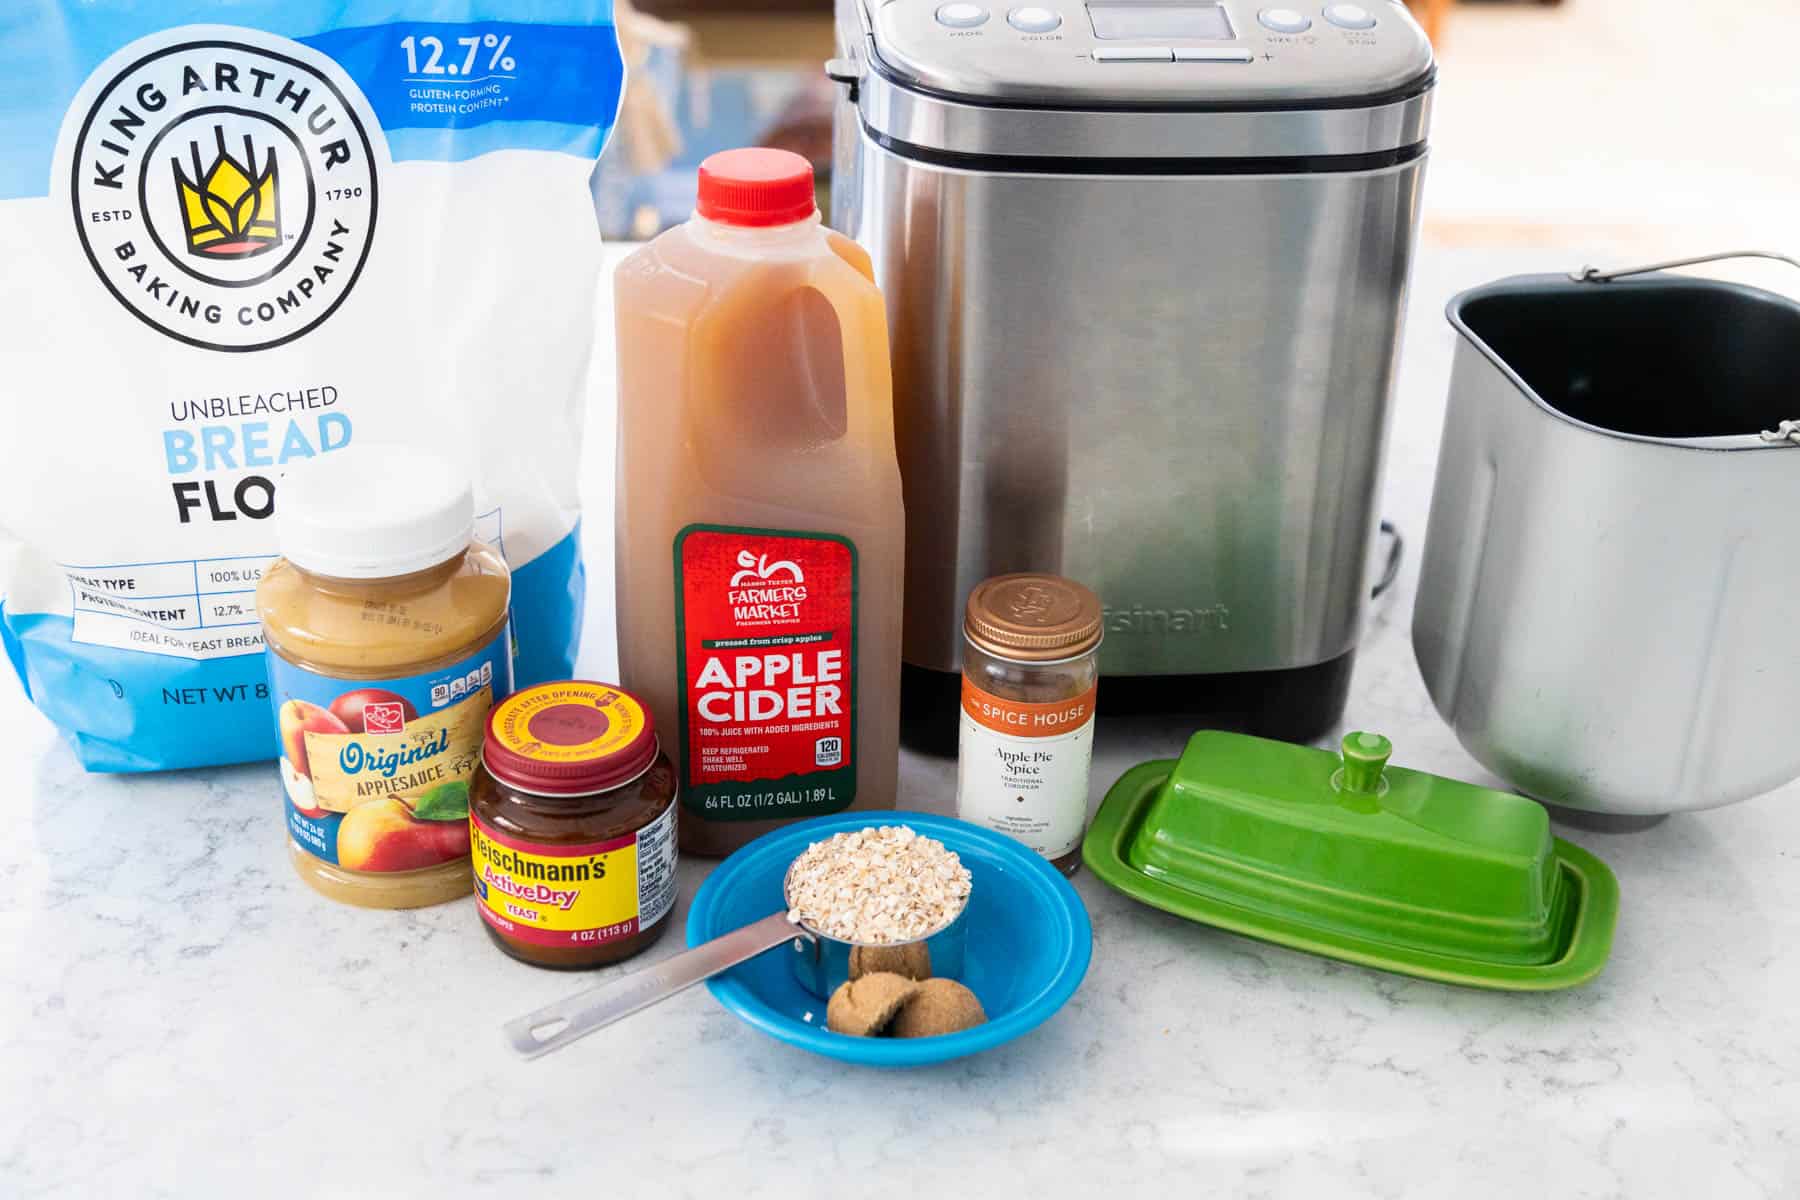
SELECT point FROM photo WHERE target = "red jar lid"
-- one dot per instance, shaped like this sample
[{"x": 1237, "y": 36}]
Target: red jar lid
[
  {"x": 569, "y": 738},
  {"x": 756, "y": 186}
]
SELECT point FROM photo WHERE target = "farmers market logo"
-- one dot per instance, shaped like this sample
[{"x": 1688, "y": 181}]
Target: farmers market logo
[
  {"x": 224, "y": 187},
  {"x": 758, "y": 569},
  {"x": 764, "y": 591}
]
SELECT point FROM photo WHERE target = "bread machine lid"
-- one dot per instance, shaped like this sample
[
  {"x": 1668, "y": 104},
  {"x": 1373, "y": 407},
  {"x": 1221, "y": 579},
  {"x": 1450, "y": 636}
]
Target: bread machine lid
[{"x": 1177, "y": 54}]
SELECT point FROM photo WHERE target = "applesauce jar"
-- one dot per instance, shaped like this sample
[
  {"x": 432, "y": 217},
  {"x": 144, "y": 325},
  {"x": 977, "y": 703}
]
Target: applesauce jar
[
  {"x": 572, "y": 818},
  {"x": 385, "y": 626}
]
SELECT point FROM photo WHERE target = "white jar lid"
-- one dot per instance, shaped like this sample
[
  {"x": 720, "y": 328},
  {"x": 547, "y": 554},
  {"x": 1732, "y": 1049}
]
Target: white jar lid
[{"x": 370, "y": 511}]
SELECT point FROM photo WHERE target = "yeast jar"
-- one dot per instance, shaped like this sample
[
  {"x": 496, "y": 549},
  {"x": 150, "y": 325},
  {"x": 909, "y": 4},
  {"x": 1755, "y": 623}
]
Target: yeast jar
[
  {"x": 756, "y": 458},
  {"x": 385, "y": 626},
  {"x": 572, "y": 820}
]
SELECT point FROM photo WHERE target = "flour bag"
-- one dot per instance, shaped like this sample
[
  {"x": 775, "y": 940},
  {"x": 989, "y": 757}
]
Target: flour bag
[{"x": 236, "y": 236}]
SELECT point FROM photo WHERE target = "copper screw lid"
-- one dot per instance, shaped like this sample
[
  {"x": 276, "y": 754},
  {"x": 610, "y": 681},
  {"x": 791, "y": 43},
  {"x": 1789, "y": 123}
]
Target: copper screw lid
[{"x": 1033, "y": 618}]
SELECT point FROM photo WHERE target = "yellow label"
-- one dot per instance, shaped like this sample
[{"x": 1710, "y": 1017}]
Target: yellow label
[
  {"x": 578, "y": 895},
  {"x": 348, "y": 768},
  {"x": 568, "y": 722}
]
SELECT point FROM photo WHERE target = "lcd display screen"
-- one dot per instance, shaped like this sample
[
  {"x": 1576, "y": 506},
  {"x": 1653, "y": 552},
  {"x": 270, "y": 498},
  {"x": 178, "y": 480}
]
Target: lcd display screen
[{"x": 1160, "y": 22}]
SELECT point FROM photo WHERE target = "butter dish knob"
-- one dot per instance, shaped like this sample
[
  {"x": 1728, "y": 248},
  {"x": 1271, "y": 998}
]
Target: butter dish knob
[{"x": 1365, "y": 756}]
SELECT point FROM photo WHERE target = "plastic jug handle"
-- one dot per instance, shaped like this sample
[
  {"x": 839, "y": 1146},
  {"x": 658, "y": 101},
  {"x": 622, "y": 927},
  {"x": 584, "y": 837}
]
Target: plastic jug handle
[
  {"x": 862, "y": 326},
  {"x": 852, "y": 253}
]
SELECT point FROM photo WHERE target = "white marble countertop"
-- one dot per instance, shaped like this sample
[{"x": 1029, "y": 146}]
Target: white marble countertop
[{"x": 180, "y": 1016}]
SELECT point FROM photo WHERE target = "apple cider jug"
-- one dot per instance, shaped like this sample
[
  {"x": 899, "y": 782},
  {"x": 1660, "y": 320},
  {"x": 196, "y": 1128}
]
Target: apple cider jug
[
  {"x": 387, "y": 640},
  {"x": 760, "y": 526}
]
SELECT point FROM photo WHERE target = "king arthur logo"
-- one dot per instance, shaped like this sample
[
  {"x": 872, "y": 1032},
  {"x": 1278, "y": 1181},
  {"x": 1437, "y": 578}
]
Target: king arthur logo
[
  {"x": 231, "y": 207},
  {"x": 223, "y": 183}
]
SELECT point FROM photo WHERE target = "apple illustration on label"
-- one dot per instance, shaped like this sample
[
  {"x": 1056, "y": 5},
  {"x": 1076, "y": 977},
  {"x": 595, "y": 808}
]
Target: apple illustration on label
[
  {"x": 297, "y": 719},
  {"x": 300, "y": 792},
  {"x": 386, "y": 834}
]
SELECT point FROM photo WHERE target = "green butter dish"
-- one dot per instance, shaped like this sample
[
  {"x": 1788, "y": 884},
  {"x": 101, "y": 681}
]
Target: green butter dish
[{"x": 1355, "y": 860}]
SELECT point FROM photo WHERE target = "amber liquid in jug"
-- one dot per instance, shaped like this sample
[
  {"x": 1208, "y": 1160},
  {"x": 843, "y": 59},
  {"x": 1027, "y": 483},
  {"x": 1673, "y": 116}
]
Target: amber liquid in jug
[{"x": 759, "y": 520}]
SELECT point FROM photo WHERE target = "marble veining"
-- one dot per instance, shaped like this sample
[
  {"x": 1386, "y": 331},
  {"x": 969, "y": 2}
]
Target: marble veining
[{"x": 181, "y": 1017}]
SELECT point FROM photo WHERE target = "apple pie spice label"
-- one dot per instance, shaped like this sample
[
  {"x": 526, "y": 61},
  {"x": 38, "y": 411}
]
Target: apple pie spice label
[
  {"x": 1023, "y": 768},
  {"x": 766, "y": 640},
  {"x": 576, "y": 895},
  {"x": 376, "y": 772}
]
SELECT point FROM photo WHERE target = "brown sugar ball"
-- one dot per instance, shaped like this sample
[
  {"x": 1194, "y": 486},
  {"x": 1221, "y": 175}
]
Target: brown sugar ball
[
  {"x": 863, "y": 1007},
  {"x": 937, "y": 1006},
  {"x": 912, "y": 960}
]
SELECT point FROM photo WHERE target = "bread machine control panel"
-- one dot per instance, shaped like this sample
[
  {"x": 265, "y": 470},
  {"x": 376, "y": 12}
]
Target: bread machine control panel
[{"x": 1181, "y": 52}]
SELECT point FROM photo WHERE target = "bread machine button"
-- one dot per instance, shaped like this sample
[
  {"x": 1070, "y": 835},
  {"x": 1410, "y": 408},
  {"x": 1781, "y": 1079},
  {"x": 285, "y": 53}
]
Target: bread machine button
[
  {"x": 1349, "y": 16},
  {"x": 1284, "y": 20},
  {"x": 1213, "y": 54},
  {"x": 1033, "y": 20},
  {"x": 1134, "y": 54},
  {"x": 961, "y": 16}
]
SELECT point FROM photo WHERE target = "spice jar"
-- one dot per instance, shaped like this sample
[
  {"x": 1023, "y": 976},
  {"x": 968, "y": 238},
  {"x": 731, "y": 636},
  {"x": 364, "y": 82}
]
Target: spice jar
[
  {"x": 385, "y": 626},
  {"x": 572, "y": 819},
  {"x": 1030, "y": 673}
]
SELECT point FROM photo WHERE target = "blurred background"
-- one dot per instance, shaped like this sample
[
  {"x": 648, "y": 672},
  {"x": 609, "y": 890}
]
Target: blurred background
[
  {"x": 1613, "y": 127},
  {"x": 708, "y": 75}
]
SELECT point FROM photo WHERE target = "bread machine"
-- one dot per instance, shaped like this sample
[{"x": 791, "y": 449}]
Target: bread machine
[{"x": 1145, "y": 265}]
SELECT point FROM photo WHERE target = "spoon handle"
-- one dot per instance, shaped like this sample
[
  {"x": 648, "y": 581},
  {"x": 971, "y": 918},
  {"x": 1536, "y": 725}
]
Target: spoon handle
[{"x": 556, "y": 1025}]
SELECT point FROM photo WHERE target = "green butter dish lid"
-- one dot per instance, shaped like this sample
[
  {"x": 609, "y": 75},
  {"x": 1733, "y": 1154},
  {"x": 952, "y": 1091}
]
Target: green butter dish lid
[{"x": 1348, "y": 857}]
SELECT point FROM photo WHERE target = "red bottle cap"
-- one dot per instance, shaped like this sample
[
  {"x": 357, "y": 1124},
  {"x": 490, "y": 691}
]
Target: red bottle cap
[
  {"x": 756, "y": 187},
  {"x": 568, "y": 739}
]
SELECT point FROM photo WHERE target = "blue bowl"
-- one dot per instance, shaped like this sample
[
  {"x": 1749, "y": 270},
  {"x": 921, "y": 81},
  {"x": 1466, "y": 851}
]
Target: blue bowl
[{"x": 1029, "y": 940}]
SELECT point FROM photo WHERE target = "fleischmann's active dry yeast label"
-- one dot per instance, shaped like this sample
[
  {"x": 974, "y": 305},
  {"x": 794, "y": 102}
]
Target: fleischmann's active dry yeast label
[
  {"x": 586, "y": 894},
  {"x": 766, "y": 639}
]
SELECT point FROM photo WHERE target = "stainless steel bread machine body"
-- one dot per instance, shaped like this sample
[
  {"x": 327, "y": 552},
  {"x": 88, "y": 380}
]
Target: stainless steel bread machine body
[{"x": 1145, "y": 310}]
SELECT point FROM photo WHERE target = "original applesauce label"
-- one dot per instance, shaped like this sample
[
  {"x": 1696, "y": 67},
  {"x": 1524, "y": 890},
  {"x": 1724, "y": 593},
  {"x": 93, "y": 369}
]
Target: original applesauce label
[
  {"x": 766, "y": 640},
  {"x": 376, "y": 773},
  {"x": 1023, "y": 767},
  {"x": 576, "y": 895}
]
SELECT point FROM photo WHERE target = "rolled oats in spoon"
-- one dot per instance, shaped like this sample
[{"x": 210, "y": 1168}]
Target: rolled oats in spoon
[{"x": 877, "y": 886}]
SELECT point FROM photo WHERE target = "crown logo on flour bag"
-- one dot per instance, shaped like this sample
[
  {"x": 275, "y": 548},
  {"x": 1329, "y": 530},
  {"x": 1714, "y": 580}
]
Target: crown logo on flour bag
[{"x": 231, "y": 209}]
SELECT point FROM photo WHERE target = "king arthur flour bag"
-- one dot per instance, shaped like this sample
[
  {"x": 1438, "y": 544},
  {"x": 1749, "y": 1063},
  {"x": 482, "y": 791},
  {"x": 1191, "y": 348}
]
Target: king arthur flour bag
[{"x": 229, "y": 248}]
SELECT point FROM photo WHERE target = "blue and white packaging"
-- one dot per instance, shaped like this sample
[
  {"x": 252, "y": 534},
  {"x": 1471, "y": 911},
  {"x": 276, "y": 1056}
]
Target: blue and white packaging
[{"x": 232, "y": 246}]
